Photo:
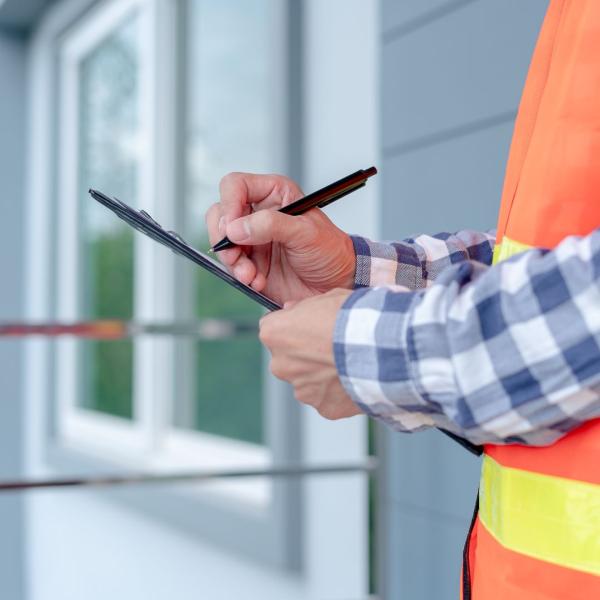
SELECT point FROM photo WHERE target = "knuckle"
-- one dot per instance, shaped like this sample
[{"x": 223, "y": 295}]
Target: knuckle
[
  {"x": 304, "y": 398},
  {"x": 233, "y": 176},
  {"x": 212, "y": 212},
  {"x": 231, "y": 180},
  {"x": 286, "y": 189},
  {"x": 264, "y": 332},
  {"x": 277, "y": 368},
  {"x": 281, "y": 186},
  {"x": 263, "y": 336},
  {"x": 328, "y": 412}
]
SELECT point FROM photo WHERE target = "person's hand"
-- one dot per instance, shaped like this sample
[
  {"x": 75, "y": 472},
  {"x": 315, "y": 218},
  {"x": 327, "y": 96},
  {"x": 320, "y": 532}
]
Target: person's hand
[
  {"x": 300, "y": 339},
  {"x": 285, "y": 257}
]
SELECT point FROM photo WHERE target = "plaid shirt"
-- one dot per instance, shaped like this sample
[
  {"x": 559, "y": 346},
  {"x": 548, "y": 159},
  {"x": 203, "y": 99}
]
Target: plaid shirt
[{"x": 435, "y": 336}]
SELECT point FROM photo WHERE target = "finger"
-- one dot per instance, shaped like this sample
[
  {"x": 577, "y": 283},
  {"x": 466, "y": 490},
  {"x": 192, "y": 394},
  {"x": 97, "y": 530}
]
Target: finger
[
  {"x": 244, "y": 269},
  {"x": 217, "y": 228},
  {"x": 240, "y": 190},
  {"x": 259, "y": 282},
  {"x": 230, "y": 256},
  {"x": 289, "y": 304},
  {"x": 271, "y": 226},
  {"x": 285, "y": 192},
  {"x": 266, "y": 329},
  {"x": 278, "y": 368},
  {"x": 215, "y": 224}
]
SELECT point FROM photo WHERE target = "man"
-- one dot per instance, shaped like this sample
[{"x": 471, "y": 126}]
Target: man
[{"x": 426, "y": 332}]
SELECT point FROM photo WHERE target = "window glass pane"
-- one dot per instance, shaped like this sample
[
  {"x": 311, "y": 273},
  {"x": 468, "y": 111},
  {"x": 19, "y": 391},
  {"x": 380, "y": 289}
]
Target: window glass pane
[
  {"x": 108, "y": 134},
  {"x": 230, "y": 127}
]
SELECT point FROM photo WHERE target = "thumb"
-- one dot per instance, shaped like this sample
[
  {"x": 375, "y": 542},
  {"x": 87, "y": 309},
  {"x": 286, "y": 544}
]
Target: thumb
[
  {"x": 267, "y": 226},
  {"x": 290, "y": 304}
]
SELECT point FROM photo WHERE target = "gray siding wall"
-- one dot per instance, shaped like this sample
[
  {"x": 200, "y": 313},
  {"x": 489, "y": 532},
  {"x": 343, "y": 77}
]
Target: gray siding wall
[
  {"x": 452, "y": 75},
  {"x": 12, "y": 136}
]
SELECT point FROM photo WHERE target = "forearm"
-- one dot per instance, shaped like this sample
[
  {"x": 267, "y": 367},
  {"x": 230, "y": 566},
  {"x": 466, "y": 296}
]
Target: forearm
[
  {"x": 416, "y": 263},
  {"x": 504, "y": 354}
]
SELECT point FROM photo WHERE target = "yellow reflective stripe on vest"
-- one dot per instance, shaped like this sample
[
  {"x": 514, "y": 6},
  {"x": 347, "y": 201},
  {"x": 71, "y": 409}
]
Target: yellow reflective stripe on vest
[
  {"x": 548, "y": 518},
  {"x": 507, "y": 248}
]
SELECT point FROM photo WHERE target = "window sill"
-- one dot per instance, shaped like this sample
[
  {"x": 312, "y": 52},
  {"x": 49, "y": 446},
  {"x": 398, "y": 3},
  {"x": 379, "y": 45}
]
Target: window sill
[
  {"x": 215, "y": 515},
  {"x": 124, "y": 446}
]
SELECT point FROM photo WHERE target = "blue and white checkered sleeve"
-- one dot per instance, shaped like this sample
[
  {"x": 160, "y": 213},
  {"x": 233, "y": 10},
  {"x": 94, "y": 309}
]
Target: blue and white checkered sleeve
[
  {"x": 507, "y": 354},
  {"x": 416, "y": 263}
]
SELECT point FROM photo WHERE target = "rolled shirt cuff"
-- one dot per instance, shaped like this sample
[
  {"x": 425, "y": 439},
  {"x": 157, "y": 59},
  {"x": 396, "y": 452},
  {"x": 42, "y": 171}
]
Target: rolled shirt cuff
[{"x": 372, "y": 353}]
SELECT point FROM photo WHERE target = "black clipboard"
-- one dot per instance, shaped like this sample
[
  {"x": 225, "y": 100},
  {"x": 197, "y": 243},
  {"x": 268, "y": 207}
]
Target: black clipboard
[{"x": 144, "y": 223}]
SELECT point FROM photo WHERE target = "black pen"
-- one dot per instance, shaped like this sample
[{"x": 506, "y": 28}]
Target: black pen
[{"x": 330, "y": 193}]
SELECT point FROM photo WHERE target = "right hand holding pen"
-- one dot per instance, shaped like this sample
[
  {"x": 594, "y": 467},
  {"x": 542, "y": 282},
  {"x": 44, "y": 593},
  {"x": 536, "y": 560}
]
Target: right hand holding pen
[{"x": 286, "y": 257}]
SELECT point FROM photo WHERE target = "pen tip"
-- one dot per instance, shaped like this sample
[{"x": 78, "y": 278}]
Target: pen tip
[{"x": 211, "y": 251}]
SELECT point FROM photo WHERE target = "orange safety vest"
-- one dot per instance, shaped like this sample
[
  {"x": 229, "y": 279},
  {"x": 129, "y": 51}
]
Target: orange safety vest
[{"x": 537, "y": 534}]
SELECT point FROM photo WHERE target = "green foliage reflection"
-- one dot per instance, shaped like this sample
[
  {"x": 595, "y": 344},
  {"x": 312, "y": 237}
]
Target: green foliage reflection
[
  {"x": 109, "y": 364},
  {"x": 229, "y": 372}
]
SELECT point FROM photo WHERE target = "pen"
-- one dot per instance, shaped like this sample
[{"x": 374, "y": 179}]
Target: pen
[{"x": 330, "y": 193}]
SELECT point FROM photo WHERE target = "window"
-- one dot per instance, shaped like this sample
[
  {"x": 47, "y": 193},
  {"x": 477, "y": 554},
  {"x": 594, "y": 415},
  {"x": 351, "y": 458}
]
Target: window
[
  {"x": 102, "y": 125},
  {"x": 230, "y": 101},
  {"x": 133, "y": 128},
  {"x": 107, "y": 148}
]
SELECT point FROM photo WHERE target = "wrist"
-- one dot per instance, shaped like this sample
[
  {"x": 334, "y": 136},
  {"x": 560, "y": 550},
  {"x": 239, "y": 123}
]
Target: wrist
[{"x": 349, "y": 271}]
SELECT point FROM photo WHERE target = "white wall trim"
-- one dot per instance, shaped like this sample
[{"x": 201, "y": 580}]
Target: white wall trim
[{"x": 341, "y": 135}]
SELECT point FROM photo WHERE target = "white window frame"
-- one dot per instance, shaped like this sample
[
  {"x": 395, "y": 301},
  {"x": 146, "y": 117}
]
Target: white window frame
[
  {"x": 75, "y": 423},
  {"x": 148, "y": 440}
]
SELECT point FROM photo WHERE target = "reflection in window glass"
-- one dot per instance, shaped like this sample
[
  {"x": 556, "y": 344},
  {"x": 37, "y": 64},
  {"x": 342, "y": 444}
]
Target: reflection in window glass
[
  {"x": 108, "y": 126},
  {"x": 230, "y": 127}
]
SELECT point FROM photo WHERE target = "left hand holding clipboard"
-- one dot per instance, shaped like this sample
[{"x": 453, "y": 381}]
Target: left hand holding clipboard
[{"x": 299, "y": 339}]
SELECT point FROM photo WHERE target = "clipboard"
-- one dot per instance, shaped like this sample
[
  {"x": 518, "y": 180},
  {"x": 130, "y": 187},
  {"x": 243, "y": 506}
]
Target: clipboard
[{"x": 143, "y": 222}]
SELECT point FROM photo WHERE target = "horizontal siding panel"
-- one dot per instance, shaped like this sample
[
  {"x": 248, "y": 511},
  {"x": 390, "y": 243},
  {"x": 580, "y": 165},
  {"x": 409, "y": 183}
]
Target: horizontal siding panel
[
  {"x": 465, "y": 67},
  {"x": 397, "y": 13},
  {"x": 449, "y": 467},
  {"x": 425, "y": 553},
  {"x": 448, "y": 186}
]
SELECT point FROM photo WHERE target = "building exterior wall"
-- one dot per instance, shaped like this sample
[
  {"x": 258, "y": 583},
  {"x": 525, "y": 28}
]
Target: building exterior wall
[
  {"x": 452, "y": 74},
  {"x": 12, "y": 134}
]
